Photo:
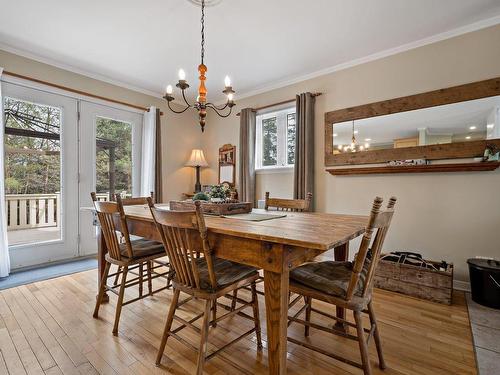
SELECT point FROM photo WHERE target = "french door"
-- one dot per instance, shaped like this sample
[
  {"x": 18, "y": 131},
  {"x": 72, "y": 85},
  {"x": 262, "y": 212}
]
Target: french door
[
  {"x": 110, "y": 161},
  {"x": 41, "y": 175},
  {"x": 59, "y": 149}
]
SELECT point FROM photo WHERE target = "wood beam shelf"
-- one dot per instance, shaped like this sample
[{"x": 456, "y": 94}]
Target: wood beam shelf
[{"x": 457, "y": 167}]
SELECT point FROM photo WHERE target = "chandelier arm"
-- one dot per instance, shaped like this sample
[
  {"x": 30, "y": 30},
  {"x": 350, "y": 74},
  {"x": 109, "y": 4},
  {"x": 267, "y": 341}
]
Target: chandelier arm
[
  {"x": 178, "y": 112},
  {"x": 211, "y": 105},
  {"x": 185, "y": 100},
  {"x": 219, "y": 113}
]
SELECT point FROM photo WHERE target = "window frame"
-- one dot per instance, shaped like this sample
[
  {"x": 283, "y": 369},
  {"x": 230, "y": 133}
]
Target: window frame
[{"x": 282, "y": 139}]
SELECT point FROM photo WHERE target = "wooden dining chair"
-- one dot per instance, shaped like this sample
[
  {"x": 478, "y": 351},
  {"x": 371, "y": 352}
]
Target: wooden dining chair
[
  {"x": 129, "y": 255},
  {"x": 206, "y": 278},
  {"x": 292, "y": 205},
  {"x": 348, "y": 285},
  {"x": 280, "y": 204},
  {"x": 154, "y": 268}
]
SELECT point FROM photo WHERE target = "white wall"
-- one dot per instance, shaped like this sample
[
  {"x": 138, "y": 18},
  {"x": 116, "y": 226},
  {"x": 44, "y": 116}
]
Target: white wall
[{"x": 443, "y": 216}]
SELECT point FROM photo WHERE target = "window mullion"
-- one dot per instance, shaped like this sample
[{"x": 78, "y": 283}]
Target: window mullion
[
  {"x": 258, "y": 143},
  {"x": 281, "y": 120}
]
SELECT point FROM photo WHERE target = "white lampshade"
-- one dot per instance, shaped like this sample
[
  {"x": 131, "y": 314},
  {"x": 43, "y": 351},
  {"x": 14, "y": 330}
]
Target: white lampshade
[{"x": 197, "y": 159}]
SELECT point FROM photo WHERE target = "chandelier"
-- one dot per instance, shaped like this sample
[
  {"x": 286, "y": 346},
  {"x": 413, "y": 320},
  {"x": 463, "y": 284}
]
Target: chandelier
[
  {"x": 354, "y": 146},
  {"x": 201, "y": 103}
]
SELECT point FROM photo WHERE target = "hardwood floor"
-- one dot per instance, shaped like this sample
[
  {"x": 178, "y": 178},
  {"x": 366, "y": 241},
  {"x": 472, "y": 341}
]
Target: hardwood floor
[{"x": 47, "y": 328}]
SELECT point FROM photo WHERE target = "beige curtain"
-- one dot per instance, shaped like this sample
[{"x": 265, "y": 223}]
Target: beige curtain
[
  {"x": 246, "y": 179},
  {"x": 303, "y": 180},
  {"x": 158, "y": 172}
]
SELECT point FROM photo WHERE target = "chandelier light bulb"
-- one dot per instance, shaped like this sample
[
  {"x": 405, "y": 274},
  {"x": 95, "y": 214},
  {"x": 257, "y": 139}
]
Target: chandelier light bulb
[
  {"x": 367, "y": 145},
  {"x": 182, "y": 75},
  {"x": 202, "y": 104}
]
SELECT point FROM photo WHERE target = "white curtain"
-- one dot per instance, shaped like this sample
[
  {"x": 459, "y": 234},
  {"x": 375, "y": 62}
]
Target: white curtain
[
  {"x": 4, "y": 245},
  {"x": 148, "y": 152}
]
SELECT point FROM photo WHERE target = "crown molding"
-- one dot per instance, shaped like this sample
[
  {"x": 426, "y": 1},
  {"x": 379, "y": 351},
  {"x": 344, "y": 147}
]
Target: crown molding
[
  {"x": 73, "y": 69},
  {"x": 375, "y": 56}
]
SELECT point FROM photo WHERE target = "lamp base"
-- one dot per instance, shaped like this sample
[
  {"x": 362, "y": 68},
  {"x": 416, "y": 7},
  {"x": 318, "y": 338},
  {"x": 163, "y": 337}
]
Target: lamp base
[{"x": 197, "y": 186}]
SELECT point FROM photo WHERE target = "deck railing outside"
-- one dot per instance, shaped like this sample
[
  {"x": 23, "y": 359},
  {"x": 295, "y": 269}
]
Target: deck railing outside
[
  {"x": 102, "y": 197},
  {"x": 28, "y": 211},
  {"x": 25, "y": 211}
]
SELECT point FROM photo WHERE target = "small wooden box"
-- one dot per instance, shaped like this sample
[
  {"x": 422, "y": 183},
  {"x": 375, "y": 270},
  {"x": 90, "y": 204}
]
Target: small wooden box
[
  {"x": 415, "y": 281},
  {"x": 214, "y": 208}
]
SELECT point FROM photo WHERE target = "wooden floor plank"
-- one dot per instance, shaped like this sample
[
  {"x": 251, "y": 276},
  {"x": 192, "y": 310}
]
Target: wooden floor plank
[
  {"x": 11, "y": 357},
  {"x": 48, "y": 327}
]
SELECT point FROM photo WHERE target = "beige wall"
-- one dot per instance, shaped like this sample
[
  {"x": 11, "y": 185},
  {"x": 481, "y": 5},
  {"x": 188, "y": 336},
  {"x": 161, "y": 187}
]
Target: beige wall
[
  {"x": 443, "y": 216},
  {"x": 277, "y": 184},
  {"x": 179, "y": 132}
]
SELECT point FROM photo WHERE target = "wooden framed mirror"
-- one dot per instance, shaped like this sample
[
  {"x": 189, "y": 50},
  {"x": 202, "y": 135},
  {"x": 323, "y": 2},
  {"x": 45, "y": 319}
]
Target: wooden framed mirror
[
  {"x": 227, "y": 164},
  {"x": 451, "y": 123}
]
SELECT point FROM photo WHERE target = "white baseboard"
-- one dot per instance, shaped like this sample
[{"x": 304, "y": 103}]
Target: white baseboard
[{"x": 461, "y": 285}]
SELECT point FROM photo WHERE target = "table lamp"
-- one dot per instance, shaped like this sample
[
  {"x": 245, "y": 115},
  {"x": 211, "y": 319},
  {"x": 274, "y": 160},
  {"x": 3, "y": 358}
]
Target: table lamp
[{"x": 197, "y": 160}]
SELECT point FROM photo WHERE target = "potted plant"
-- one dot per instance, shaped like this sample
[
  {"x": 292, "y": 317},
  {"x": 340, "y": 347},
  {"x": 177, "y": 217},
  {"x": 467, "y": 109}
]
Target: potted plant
[
  {"x": 219, "y": 193},
  {"x": 201, "y": 197}
]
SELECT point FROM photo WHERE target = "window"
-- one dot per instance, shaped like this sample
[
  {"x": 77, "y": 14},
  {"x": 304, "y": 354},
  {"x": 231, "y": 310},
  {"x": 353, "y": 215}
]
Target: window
[
  {"x": 113, "y": 158},
  {"x": 32, "y": 171},
  {"x": 275, "y": 141}
]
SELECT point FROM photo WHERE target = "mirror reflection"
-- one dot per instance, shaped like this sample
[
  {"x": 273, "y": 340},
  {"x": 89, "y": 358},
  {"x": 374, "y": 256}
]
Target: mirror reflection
[{"x": 459, "y": 122}]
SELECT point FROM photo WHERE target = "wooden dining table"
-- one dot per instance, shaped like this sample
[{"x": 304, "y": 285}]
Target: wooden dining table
[{"x": 275, "y": 246}]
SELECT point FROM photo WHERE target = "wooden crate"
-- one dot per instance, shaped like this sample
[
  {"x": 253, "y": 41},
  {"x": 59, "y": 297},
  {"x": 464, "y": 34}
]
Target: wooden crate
[
  {"x": 415, "y": 281},
  {"x": 214, "y": 208}
]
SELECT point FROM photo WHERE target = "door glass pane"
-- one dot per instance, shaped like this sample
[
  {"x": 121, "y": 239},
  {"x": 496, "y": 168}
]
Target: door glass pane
[
  {"x": 32, "y": 171},
  {"x": 290, "y": 138},
  {"x": 113, "y": 158},
  {"x": 269, "y": 141}
]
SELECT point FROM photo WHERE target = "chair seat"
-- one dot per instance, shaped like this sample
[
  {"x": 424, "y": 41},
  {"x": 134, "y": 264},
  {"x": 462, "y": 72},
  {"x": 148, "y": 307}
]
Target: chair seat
[
  {"x": 328, "y": 277},
  {"x": 143, "y": 248},
  {"x": 226, "y": 272}
]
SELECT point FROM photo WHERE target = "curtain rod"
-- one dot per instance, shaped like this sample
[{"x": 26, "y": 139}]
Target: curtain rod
[
  {"x": 279, "y": 103},
  {"x": 79, "y": 92}
]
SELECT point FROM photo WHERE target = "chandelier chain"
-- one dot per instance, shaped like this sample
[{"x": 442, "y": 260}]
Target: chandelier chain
[
  {"x": 202, "y": 30},
  {"x": 201, "y": 105}
]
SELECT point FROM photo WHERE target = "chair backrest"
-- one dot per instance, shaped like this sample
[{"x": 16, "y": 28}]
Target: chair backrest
[
  {"x": 134, "y": 201},
  {"x": 122, "y": 202},
  {"x": 184, "y": 234},
  {"x": 364, "y": 265},
  {"x": 106, "y": 213},
  {"x": 295, "y": 205}
]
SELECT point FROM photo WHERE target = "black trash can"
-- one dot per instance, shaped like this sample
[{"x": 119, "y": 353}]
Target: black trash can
[{"x": 485, "y": 281}]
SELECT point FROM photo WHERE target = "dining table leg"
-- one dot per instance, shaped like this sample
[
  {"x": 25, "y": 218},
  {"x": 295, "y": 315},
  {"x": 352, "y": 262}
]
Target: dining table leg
[
  {"x": 341, "y": 254},
  {"x": 276, "y": 286},
  {"x": 101, "y": 261}
]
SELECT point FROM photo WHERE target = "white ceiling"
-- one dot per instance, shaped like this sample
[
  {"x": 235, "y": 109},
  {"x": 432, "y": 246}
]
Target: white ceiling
[{"x": 259, "y": 43}]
